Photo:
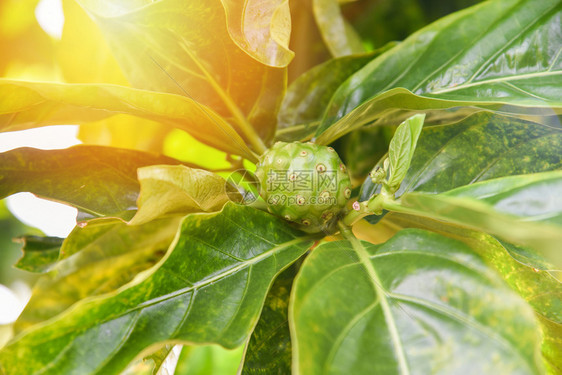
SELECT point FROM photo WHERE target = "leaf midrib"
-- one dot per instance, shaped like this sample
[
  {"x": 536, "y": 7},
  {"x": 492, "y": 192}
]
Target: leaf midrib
[
  {"x": 382, "y": 294},
  {"x": 219, "y": 276},
  {"x": 464, "y": 320},
  {"x": 494, "y": 80},
  {"x": 485, "y": 63},
  {"x": 196, "y": 286}
]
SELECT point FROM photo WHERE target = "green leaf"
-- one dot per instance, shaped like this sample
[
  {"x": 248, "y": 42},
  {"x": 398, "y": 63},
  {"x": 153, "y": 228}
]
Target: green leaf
[
  {"x": 476, "y": 57},
  {"x": 540, "y": 289},
  {"x": 338, "y": 34},
  {"x": 269, "y": 348},
  {"x": 479, "y": 148},
  {"x": 522, "y": 209},
  {"x": 185, "y": 48},
  {"x": 402, "y": 147},
  {"x": 167, "y": 189},
  {"x": 39, "y": 253},
  {"x": 308, "y": 96},
  {"x": 96, "y": 259},
  {"x": 77, "y": 175},
  {"x": 209, "y": 288},
  {"x": 25, "y": 105},
  {"x": 419, "y": 303},
  {"x": 535, "y": 197}
]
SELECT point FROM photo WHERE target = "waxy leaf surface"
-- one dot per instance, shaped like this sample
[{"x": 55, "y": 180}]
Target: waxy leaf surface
[
  {"x": 338, "y": 35},
  {"x": 420, "y": 303},
  {"x": 478, "y": 148},
  {"x": 308, "y": 96},
  {"x": 210, "y": 288},
  {"x": 501, "y": 55},
  {"x": 96, "y": 259},
  {"x": 524, "y": 209},
  {"x": 261, "y": 28},
  {"x": 269, "y": 348},
  {"x": 540, "y": 289},
  {"x": 402, "y": 147}
]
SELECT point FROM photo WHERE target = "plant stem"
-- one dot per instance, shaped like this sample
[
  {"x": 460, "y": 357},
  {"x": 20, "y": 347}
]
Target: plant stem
[{"x": 373, "y": 206}]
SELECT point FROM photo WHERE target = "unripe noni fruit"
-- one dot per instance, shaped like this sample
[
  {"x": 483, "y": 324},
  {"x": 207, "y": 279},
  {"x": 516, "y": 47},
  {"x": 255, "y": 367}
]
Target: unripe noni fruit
[{"x": 305, "y": 183}]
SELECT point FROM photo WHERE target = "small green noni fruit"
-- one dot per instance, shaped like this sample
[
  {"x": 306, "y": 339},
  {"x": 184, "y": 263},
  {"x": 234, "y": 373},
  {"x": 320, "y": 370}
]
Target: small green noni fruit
[{"x": 305, "y": 183}]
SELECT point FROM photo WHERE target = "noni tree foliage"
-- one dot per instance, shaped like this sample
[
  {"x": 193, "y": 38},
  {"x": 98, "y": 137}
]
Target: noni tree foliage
[{"x": 313, "y": 187}]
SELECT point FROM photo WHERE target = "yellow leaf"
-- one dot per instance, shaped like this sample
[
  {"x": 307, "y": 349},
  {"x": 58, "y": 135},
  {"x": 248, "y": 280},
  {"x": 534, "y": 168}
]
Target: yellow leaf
[{"x": 261, "y": 28}]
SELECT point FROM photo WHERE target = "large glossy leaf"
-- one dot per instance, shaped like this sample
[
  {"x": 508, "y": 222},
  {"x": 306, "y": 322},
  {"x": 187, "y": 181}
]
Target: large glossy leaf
[
  {"x": 177, "y": 189},
  {"x": 185, "y": 48},
  {"x": 479, "y": 148},
  {"x": 208, "y": 289},
  {"x": 77, "y": 176},
  {"x": 420, "y": 303},
  {"x": 25, "y": 105},
  {"x": 524, "y": 209},
  {"x": 96, "y": 259},
  {"x": 542, "y": 291},
  {"x": 269, "y": 348},
  {"x": 536, "y": 197},
  {"x": 476, "y": 57},
  {"x": 308, "y": 96}
]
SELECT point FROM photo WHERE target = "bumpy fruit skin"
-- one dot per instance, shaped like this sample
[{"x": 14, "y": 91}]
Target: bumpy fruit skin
[{"x": 305, "y": 183}]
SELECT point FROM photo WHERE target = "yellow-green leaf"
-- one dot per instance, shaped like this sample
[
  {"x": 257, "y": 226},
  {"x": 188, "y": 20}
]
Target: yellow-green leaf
[
  {"x": 261, "y": 28},
  {"x": 184, "y": 48},
  {"x": 339, "y": 36},
  {"x": 209, "y": 288},
  {"x": 25, "y": 105},
  {"x": 97, "y": 259},
  {"x": 420, "y": 303},
  {"x": 167, "y": 189}
]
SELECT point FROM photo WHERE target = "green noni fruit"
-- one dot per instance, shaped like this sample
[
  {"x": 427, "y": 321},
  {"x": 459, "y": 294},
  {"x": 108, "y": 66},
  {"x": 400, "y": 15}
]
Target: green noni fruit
[{"x": 305, "y": 183}]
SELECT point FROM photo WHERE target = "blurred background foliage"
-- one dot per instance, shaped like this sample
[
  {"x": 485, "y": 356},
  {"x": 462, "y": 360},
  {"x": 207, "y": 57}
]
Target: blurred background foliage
[{"x": 80, "y": 54}]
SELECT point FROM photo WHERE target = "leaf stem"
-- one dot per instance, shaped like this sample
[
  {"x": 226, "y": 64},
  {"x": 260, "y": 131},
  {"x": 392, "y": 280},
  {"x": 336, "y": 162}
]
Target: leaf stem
[{"x": 373, "y": 206}]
